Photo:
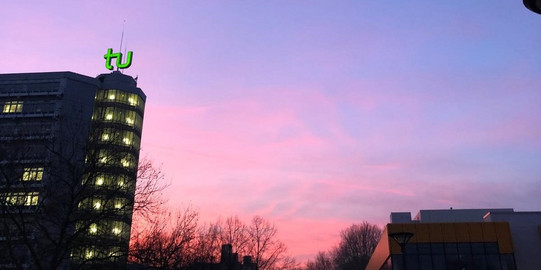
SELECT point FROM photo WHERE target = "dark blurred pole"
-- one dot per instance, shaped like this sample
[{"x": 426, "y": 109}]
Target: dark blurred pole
[{"x": 533, "y": 5}]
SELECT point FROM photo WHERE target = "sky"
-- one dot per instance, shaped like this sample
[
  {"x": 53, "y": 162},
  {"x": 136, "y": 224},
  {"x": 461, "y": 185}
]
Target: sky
[{"x": 314, "y": 114}]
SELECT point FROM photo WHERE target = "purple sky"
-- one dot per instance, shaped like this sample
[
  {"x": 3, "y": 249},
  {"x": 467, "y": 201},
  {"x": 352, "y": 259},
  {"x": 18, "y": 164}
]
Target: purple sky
[{"x": 315, "y": 114}]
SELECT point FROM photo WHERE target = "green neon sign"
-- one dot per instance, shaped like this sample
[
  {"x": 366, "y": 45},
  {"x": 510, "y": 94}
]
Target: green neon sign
[{"x": 110, "y": 55}]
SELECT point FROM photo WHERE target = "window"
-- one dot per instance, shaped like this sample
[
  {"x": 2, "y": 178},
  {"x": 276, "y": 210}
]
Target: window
[
  {"x": 89, "y": 253},
  {"x": 33, "y": 174},
  {"x": 20, "y": 198},
  {"x": 117, "y": 228},
  {"x": 121, "y": 182},
  {"x": 13, "y": 107},
  {"x": 100, "y": 180},
  {"x": 105, "y": 137},
  {"x": 93, "y": 229},
  {"x": 97, "y": 204},
  {"x": 119, "y": 203}
]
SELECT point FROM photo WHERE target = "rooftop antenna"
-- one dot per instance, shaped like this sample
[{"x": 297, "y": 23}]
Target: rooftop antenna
[{"x": 121, "y": 39}]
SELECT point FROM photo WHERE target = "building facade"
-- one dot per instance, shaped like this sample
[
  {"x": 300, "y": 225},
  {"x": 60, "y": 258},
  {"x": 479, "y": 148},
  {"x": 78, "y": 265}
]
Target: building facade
[
  {"x": 69, "y": 149},
  {"x": 460, "y": 239}
]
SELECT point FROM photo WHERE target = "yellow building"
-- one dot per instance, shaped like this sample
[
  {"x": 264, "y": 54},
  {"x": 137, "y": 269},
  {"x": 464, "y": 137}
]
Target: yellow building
[{"x": 460, "y": 245}]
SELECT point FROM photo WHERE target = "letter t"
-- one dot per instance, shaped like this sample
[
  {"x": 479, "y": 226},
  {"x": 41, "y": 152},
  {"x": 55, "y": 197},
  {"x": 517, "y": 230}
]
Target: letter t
[{"x": 108, "y": 57}]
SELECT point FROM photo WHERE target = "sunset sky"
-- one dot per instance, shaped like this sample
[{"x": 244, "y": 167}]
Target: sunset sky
[{"x": 314, "y": 114}]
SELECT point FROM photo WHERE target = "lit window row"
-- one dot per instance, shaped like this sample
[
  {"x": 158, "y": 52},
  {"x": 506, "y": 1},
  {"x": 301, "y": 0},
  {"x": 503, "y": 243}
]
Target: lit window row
[
  {"x": 99, "y": 203},
  {"x": 33, "y": 174},
  {"x": 122, "y": 137},
  {"x": 20, "y": 198},
  {"x": 108, "y": 228},
  {"x": 116, "y": 182},
  {"x": 13, "y": 107},
  {"x": 94, "y": 252},
  {"x": 121, "y": 97},
  {"x": 111, "y": 158},
  {"x": 118, "y": 115}
]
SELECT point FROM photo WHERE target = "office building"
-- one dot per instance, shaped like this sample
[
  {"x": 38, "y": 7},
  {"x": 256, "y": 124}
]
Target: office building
[
  {"x": 460, "y": 239},
  {"x": 69, "y": 149}
]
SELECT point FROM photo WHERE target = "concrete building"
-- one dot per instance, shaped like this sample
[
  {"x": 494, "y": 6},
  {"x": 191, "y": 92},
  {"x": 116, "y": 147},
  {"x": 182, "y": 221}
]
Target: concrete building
[
  {"x": 69, "y": 149},
  {"x": 460, "y": 239}
]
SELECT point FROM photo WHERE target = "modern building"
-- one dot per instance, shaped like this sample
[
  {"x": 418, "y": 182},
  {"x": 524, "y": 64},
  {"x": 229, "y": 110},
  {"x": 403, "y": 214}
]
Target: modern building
[
  {"x": 460, "y": 239},
  {"x": 69, "y": 150}
]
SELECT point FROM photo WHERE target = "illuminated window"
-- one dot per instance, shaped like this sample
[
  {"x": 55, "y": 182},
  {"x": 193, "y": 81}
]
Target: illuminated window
[
  {"x": 109, "y": 116},
  {"x": 121, "y": 182},
  {"x": 105, "y": 136},
  {"x": 99, "y": 180},
  {"x": 116, "y": 227},
  {"x": 103, "y": 158},
  {"x": 89, "y": 253},
  {"x": 13, "y": 107},
  {"x": 126, "y": 141},
  {"x": 20, "y": 198},
  {"x": 112, "y": 96},
  {"x": 93, "y": 229},
  {"x": 126, "y": 162},
  {"x": 33, "y": 174},
  {"x": 31, "y": 199},
  {"x": 117, "y": 230},
  {"x": 97, "y": 204},
  {"x": 132, "y": 101},
  {"x": 119, "y": 203}
]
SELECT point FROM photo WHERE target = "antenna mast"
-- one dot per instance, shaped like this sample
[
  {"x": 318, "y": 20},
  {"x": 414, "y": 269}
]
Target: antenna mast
[{"x": 121, "y": 39}]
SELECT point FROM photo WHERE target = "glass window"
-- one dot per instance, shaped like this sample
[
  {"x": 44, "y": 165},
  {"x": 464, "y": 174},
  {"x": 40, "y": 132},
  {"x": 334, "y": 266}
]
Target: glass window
[
  {"x": 493, "y": 261},
  {"x": 33, "y": 174},
  {"x": 464, "y": 248},
  {"x": 20, "y": 198},
  {"x": 119, "y": 203},
  {"x": 478, "y": 248},
  {"x": 425, "y": 262},
  {"x": 508, "y": 262},
  {"x": 117, "y": 228},
  {"x": 97, "y": 204},
  {"x": 451, "y": 248},
  {"x": 437, "y": 248},
  {"x": 90, "y": 253},
  {"x": 13, "y": 107},
  {"x": 93, "y": 228},
  {"x": 423, "y": 248},
  {"x": 492, "y": 248},
  {"x": 479, "y": 261}
]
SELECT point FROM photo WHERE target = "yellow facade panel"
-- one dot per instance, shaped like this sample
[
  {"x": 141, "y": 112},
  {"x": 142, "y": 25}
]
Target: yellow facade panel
[
  {"x": 462, "y": 232},
  {"x": 435, "y": 232},
  {"x": 422, "y": 233},
  {"x": 489, "y": 232},
  {"x": 449, "y": 235},
  {"x": 411, "y": 227},
  {"x": 476, "y": 232},
  {"x": 503, "y": 233}
]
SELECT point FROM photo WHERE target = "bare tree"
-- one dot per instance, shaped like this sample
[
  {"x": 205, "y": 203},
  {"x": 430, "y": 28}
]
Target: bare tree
[
  {"x": 148, "y": 191},
  {"x": 263, "y": 244},
  {"x": 323, "y": 261},
  {"x": 356, "y": 245},
  {"x": 168, "y": 242},
  {"x": 234, "y": 232}
]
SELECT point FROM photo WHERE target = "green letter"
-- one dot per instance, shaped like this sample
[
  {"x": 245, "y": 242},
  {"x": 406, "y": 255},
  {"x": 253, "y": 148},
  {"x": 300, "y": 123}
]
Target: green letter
[
  {"x": 128, "y": 61},
  {"x": 108, "y": 57}
]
